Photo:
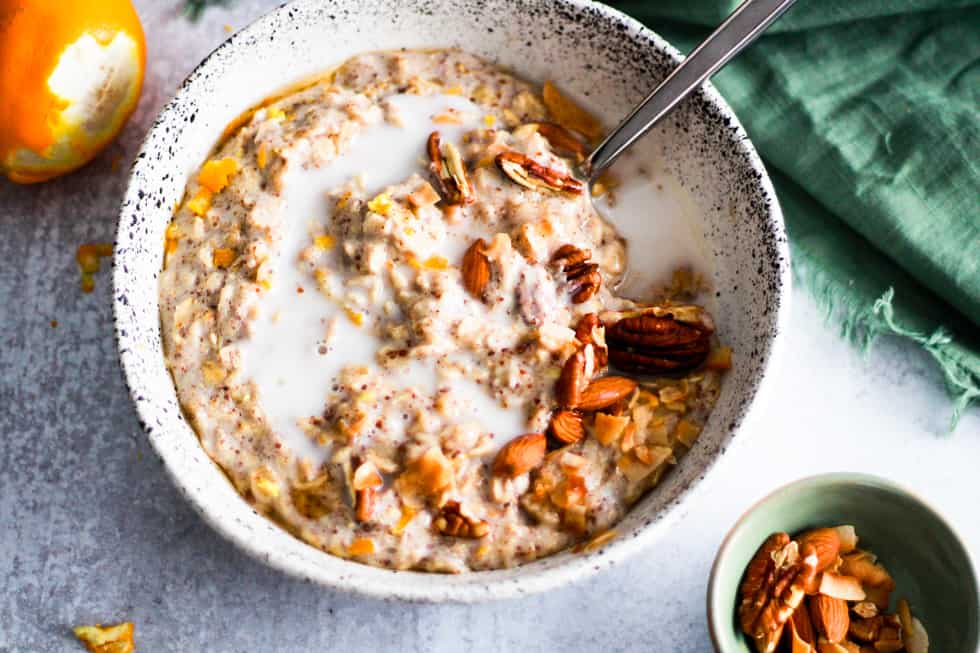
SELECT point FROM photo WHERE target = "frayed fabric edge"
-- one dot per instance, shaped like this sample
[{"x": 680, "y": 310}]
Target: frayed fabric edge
[
  {"x": 962, "y": 384},
  {"x": 861, "y": 324}
]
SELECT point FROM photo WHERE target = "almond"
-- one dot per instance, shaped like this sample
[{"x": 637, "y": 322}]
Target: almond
[
  {"x": 572, "y": 381},
  {"x": 830, "y": 617},
  {"x": 566, "y": 426},
  {"x": 520, "y": 455},
  {"x": 476, "y": 268},
  {"x": 797, "y": 644},
  {"x": 826, "y": 542},
  {"x": 605, "y": 392}
]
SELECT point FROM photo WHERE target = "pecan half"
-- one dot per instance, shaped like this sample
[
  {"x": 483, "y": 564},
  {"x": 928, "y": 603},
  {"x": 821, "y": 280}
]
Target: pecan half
[
  {"x": 450, "y": 172},
  {"x": 566, "y": 426},
  {"x": 476, "y": 268},
  {"x": 452, "y": 522},
  {"x": 657, "y": 341},
  {"x": 771, "y": 592},
  {"x": 583, "y": 276},
  {"x": 526, "y": 172},
  {"x": 758, "y": 570}
]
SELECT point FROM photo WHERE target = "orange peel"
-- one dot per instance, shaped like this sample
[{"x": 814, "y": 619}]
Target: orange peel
[{"x": 70, "y": 77}]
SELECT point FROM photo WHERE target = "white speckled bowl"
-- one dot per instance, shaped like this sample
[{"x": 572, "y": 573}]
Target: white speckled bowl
[{"x": 605, "y": 59}]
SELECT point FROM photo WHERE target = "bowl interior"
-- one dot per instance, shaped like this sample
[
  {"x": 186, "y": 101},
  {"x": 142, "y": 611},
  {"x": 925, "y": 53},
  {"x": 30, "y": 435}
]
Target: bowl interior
[
  {"x": 606, "y": 61},
  {"x": 932, "y": 570}
]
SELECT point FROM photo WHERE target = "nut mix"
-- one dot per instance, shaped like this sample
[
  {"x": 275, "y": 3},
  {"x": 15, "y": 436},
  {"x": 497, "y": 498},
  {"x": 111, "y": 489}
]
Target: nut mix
[{"x": 819, "y": 593}]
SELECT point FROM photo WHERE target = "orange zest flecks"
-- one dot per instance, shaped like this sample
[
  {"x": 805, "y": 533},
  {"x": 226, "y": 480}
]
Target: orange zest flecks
[
  {"x": 222, "y": 257},
  {"x": 324, "y": 242},
  {"x": 361, "y": 546},
  {"x": 436, "y": 263},
  {"x": 262, "y": 156},
  {"x": 89, "y": 258},
  {"x": 171, "y": 238},
  {"x": 200, "y": 203},
  {"x": 215, "y": 173},
  {"x": 354, "y": 316},
  {"x": 275, "y": 113},
  {"x": 381, "y": 204},
  {"x": 408, "y": 514}
]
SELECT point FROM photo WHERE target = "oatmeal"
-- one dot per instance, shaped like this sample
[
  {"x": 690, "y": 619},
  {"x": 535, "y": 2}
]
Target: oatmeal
[{"x": 389, "y": 309}]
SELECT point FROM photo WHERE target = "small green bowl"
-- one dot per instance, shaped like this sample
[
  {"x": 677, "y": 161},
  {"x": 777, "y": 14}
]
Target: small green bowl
[{"x": 929, "y": 563}]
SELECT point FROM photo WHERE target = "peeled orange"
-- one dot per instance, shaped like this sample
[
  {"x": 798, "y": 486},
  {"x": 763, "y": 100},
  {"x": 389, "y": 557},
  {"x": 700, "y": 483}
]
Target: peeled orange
[{"x": 70, "y": 77}]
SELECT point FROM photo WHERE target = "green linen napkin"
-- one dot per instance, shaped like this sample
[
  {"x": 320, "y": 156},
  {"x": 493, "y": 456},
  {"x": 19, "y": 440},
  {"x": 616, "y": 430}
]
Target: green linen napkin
[{"x": 866, "y": 114}]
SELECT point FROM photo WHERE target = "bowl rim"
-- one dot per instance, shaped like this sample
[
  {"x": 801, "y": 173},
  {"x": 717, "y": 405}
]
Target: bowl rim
[
  {"x": 715, "y": 626},
  {"x": 481, "y": 585}
]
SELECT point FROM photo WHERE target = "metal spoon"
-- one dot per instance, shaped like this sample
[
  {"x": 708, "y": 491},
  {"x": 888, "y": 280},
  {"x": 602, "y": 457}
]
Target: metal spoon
[{"x": 740, "y": 29}]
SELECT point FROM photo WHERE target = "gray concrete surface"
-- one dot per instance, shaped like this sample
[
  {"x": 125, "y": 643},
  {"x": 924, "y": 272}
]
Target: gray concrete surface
[{"x": 91, "y": 530}]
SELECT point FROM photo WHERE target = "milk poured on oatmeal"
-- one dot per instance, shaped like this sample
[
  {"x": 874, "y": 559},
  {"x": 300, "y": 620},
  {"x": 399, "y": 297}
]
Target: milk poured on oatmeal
[
  {"x": 660, "y": 223},
  {"x": 302, "y": 340},
  {"x": 300, "y": 329}
]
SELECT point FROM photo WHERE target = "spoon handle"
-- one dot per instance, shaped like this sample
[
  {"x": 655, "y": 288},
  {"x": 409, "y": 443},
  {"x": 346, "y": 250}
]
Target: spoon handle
[{"x": 740, "y": 29}]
